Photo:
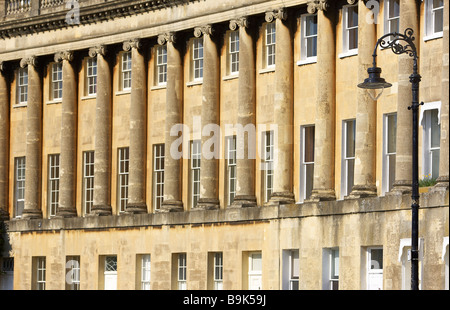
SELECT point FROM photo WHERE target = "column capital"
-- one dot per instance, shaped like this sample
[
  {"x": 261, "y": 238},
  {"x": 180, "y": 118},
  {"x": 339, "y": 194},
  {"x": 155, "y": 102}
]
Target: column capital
[
  {"x": 65, "y": 55},
  {"x": 133, "y": 43},
  {"x": 239, "y": 22},
  {"x": 167, "y": 37},
  {"x": 279, "y": 13},
  {"x": 28, "y": 61},
  {"x": 317, "y": 5},
  {"x": 97, "y": 50},
  {"x": 203, "y": 30}
]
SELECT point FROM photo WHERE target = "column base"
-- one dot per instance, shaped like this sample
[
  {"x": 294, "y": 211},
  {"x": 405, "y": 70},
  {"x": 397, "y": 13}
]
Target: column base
[
  {"x": 66, "y": 213},
  {"x": 207, "y": 204},
  {"x": 243, "y": 201},
  {"x": 318, "y": 195},
  {"x": 136, "y": 208},
  {"x": 31, "y": 214},
  {"x": 442, "y": 183},
  {"x": 401, "y": 188},
  {"x": 281, "y": 198},
  {"x": 171, "y": 206},
  {"x": 101, "y": 210},
  {"x": 362, "y": 191}
]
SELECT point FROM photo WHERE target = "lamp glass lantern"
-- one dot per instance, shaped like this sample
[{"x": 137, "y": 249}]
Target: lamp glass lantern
[{"x": 374, "y": 84}]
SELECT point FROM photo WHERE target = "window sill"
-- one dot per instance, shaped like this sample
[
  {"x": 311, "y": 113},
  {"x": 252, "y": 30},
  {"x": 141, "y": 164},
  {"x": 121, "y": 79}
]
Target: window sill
[
  {"x": 231, "y": 77},
  {"x": 20, "y": 105},
  {"x": 307, "y": 61},
  {"x": 348, "y": 53},
  {"x": 437, "y": 35},
  {"x": 194, "y": 83},
  {"x": 89, "y": 97},
  {"x": 157, "y": 87},
  {"x": 58, "y": 101},
  {"x": 123, "y": 92},
  {"x": 267, "y": 70}
]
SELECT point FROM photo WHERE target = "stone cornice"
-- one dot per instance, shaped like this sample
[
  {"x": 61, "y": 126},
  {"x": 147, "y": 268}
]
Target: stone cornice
[
  {"x": 88, "y": 15},
  {"x": 280, "y": 13},
  {"x": 239, "y": 22}
]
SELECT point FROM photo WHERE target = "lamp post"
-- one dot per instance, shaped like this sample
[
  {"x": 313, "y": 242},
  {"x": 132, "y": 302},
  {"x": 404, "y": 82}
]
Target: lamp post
[{"x": 403, "y": 44}]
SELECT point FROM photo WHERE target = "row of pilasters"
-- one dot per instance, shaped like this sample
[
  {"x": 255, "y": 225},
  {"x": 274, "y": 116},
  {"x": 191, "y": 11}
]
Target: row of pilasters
[{"x": 324, "y": 175}]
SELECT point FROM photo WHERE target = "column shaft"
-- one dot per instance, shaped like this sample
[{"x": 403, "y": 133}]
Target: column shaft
[
  {"x": 4, "y": 142},
  {"x": 283, "y": 111},
  {"x": 33, "y": 169},
  {"x": 324, "y": 155},
  {"x": 209, "y": 175},
  {"x": 68, "y": 171},
  {"x": 366, "y": 112},
  {"x": 174, "y": 114},
  {"x": 442, "y": 181},
  {"x": 138, "y": 130},
  {"x": 102, "y": 165},
  {"x": 246, "y": 145},
  {"x": 409, "y": 18}
]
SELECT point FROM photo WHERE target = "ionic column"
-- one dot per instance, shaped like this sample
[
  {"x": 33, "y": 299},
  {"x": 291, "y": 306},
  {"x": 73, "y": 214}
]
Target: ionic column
[
  {"x": 102, "y": 127},
  {"x": 442, "y": 180},
  {"x": 174, "y": 113},
  {"x": 33, "y": 153},
  {"x": 283, "y": 110},
  {"x": 4, "y": 142},
  {"x": 68, "y": 169},
  {"x": 245, "y": 167},
  {"x": 366, "y": 112},
  {"x": 409, "y": 18},
  {"x": 209, "y": 175},
  {"x": 138, "y": 130},
  {"x": 323, "y": 189}
]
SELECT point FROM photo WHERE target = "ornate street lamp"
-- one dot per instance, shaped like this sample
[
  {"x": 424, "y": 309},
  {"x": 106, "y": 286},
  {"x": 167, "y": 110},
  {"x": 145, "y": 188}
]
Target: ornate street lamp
[{"x": 403, "y": 44}]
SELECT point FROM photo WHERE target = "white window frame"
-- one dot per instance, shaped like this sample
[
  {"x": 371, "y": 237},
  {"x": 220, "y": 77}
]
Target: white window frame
[
  {"x": 53, "y": 184},
  {"x": 88, "y": 181},
  {"x": 123, "y": 170},
  {"x": 40, "y": 273},
  {"x": 427, "y": 162},
  {"x": 304, "y": 58},
  {"x": 304, "y": 164},
  {"x": 110, "y": 270},
  {"x": 369, "y": 269},
  {"x": 182, "y": 271},
  {"x": 218, "y": 271},
  {"x": 19, "y": 185},
  {"x": 404, "y": 257},
  {"x": 195, "y": 166},
  {"x": 75, "y": 272},
  {"x": 346, "y": 50},
  {"x": 294, "y": 270},
  {"x": 145, "y": 271},
  {"x": 252, "y": 272},
  {"x": 158, "y": 175},
  {"x": 91, "y": 76},
  {"x": 347, "y": 159},
  {"x": 330, "y": 269},
  {"x": 22, "y": 86},
  {"x": 389, "y": 156},
  {"x": 231, "y": 168},
  {"x": 270, "y": 45},
  {"x": 57, "y": 82},
  {"x": 389, "y": 20},
  {"x": 125, "y": 69},
  {"x": 430, "y": 20},
  {"x": 197, "y": 59},
  {"x": 267, "y": 163},
  {"x": 233, "y": 50},
  {"x": 161, "y": 65}
]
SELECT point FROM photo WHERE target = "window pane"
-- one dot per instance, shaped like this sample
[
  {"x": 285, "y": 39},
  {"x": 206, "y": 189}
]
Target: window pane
[
  {"x": 309, "y": 180},
  {"x": 350, "y": 147},
  {"x": 350, "y": 175},
  {"x": 439, "y": 20},
  {"x": 435, "y": 129},
  {"x": 352, "y": 18},
  {"x": 309, "y": 144},
  {"x": 353, "y": 39},
  {"x": 392, "y": 134},
  {"x": 311, "y": 25},
  {"x": 435, "y": 164},
  {"x": 256, "y": 262},
  {"x": 394, "y": 8},
  {"x": 391, "y": 163}
]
